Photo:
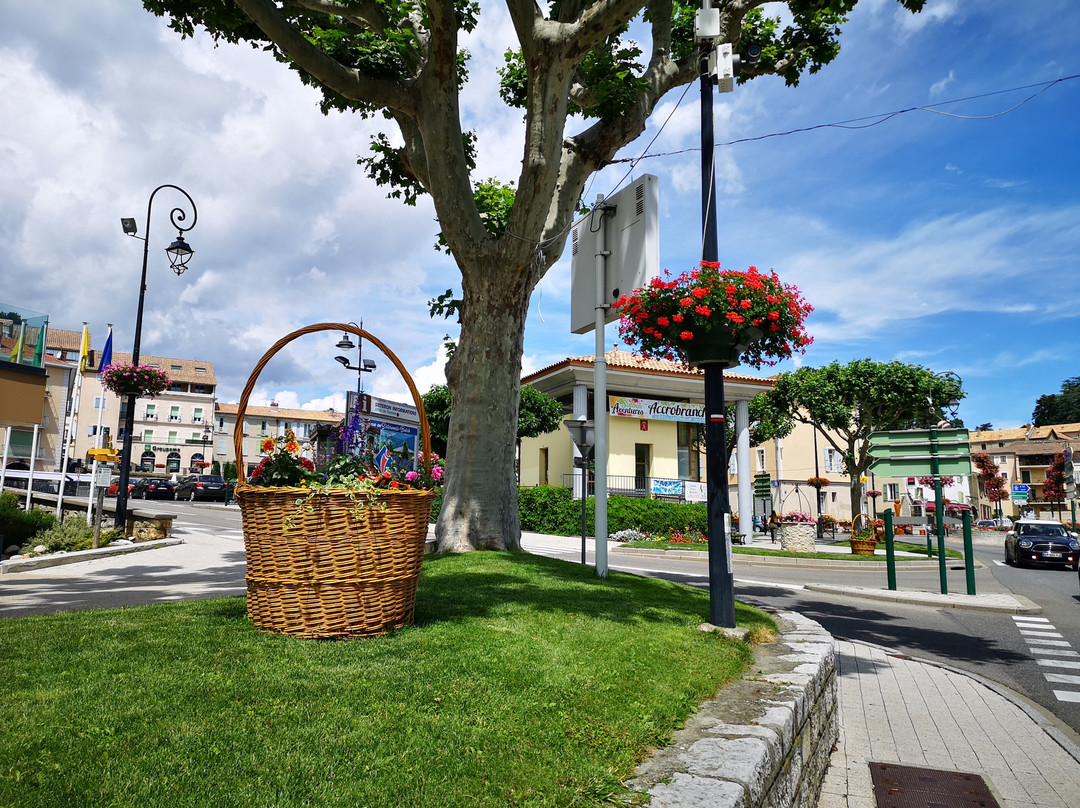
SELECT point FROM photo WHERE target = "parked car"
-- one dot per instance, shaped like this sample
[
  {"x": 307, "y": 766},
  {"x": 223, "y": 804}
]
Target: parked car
[
  {"x": 201, "y": 486},
  {"x": 152, "y": 488},
  {"x": 986, "y": 523},
  {"x": 114, "y": 486},
  {"x": 1041, "y": 541}
]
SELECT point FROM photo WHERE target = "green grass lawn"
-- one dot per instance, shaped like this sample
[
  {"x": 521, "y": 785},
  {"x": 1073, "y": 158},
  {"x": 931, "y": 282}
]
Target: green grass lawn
[
  {"x": 526, "y": 682},
  {"x": 769, "y": 551}
]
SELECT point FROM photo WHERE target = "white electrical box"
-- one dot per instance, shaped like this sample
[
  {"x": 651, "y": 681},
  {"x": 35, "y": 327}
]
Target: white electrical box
[
  {"x": 706, "y": 24},
  {"x": 724, "y": 75},
  {"x": 633, "y": 244}
]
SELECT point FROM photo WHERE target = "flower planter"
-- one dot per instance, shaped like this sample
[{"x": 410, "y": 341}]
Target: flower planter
[
  {"x": 337, "y": 563},
  {"x": 798, "y": 537},
  {"x": 719, "y": 347},
  {"x": 863, "y": 546}
]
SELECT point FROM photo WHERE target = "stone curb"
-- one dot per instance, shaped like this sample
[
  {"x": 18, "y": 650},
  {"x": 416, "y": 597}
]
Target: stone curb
[
  {"x": 751, "y": 559},
  {"x": 57, "y": 559},
  {"x": 765, "y": 741}
]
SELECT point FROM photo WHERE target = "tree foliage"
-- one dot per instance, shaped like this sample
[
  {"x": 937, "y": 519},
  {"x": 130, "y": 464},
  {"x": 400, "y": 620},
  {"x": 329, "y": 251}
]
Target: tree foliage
[
  {"x": 586, "y": 89},
  {"x": 1059, "y": 408},
  {"x": 538, "y": 414},
  {"x": 847, "y": 402}
]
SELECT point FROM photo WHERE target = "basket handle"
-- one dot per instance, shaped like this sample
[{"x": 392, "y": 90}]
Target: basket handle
[{"x": 238, "y": 431}]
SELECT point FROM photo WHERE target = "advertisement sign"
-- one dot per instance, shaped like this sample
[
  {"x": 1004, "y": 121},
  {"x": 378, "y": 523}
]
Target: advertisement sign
[
  {"x": 399, "y": 439},
  {"x": 667, "y": 488},
  {"x": 696, "y": 492},
  {"x": 645, "y": 408}
]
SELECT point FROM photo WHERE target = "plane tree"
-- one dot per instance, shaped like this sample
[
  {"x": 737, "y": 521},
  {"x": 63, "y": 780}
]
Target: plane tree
[
  {"x": 586, "y": 89},
  {"x": 847, "y": 402}
]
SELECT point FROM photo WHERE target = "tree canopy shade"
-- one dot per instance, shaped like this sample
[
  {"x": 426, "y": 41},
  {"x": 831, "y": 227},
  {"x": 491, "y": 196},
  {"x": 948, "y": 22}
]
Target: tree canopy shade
[
  {"x": 1059, "y": 408},
  {"x": 853, "y": 400},
  {"x": 586, "y": 90}
]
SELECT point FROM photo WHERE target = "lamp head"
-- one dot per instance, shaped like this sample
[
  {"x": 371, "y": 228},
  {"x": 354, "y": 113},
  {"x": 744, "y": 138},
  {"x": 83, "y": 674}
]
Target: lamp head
[
  {"x": 345, "y": 344},
  {"x": 369, "y": 364},
  {"x": 130, "y": 228},
  {"x": 343, "y": 360},
  {"x": 179, "y": 254}
]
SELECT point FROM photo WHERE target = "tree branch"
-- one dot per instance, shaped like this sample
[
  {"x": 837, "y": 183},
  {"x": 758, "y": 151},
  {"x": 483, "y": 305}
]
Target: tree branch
[{"x": 349, "y": 82}]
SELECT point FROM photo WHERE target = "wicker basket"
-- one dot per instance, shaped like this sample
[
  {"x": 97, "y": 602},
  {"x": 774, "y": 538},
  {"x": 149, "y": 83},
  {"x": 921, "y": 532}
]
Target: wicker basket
[
  {"x": 342, "y": 563},
  {"x": 864, "y": 547}
]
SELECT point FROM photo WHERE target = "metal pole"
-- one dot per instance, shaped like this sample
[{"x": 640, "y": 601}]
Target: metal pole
[
  {"x": 939, "y": 509},
  {"x": 969, "y": 554},
  {"x": 721, "y": 577},
  {"x": 600, "y": 402},
  {"x": 890, "y": 549},
  {"x": 817, "y": 491}
]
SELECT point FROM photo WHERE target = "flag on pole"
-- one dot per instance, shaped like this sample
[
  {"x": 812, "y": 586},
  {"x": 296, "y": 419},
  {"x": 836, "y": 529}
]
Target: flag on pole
[
  {"x": 39, "y": 350},
  {"x": 106, "y": 352},
  {"x": 84, "y": 351},
  {"x": 16, "y": 352}
]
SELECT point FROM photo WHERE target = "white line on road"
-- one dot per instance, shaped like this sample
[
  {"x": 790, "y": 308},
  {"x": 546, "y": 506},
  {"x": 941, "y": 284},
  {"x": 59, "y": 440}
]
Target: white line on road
[
  {"x": 1063, "y": 678},
  {"x": 1059, "y": 663},
  {"x": 1068, "y": 695}
]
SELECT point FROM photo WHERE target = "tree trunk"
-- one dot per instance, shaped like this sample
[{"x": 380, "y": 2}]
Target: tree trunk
[{"x": 480, "y": 502}]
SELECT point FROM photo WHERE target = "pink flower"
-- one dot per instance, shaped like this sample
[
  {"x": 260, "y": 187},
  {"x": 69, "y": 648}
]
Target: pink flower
[
  {"x": 411, "y": 476},
  {"x": 436, "y": 473}
]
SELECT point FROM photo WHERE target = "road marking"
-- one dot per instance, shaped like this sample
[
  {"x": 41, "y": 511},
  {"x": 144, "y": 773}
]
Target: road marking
[
  {"x": 1063, "y": 678},
  {"x": 1037, "y": 633}
]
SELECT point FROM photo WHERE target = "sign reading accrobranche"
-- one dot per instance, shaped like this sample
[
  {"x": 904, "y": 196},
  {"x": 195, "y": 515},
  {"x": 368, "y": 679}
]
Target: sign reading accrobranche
[{"x": 656, "y": 410}]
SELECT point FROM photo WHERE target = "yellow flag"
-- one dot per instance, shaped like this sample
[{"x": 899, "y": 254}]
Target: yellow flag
[{"x": 84, "y": 352}]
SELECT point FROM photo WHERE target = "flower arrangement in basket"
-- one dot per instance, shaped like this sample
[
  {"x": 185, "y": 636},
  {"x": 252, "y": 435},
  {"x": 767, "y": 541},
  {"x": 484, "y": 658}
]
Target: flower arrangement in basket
[
  {"x": 141, "y": 381},
  {"x": 819, "y": 482},
  {"x": 336, "y": 551},
  {"x": 795, "y": 517},
  {"x": 753, "y": 312},
  {"x": 873, "y": 493}
]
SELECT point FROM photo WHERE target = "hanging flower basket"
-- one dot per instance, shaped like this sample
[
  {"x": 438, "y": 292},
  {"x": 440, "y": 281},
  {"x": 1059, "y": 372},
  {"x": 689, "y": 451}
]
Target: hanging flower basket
[
  {"x": 713, "y": 316},
  {"x": 819, "y": 482},
  {"x": 327, "y": 562},
  {"x": 141, "y": 381}
]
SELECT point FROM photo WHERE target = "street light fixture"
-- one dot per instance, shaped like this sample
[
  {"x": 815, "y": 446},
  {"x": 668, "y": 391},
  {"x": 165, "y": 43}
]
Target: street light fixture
[
  {"x": 179, "y": 253},
  {"x": 361, "y": 367},
  {"x": 583, "y": 433}
]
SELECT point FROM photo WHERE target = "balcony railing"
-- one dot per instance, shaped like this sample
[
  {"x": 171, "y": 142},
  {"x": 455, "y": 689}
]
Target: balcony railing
[
  {"x": 626, "y": 485},
  {"x": 150, "y": 416}
]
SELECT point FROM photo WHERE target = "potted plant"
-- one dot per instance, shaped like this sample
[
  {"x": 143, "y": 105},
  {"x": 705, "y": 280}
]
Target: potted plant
[
  {"x": 863, "y": 535},
  {"x": 798, "y": 532},
  {"x": 333, "y": 552},
  {"x": 819, "y": 482},
  {"x": 714, "y": 316},
  {"x": 141, "y": 381}
]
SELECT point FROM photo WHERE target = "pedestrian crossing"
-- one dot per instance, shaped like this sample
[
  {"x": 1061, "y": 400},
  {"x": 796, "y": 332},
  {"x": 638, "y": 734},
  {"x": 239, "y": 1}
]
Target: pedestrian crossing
[{"x": 1058, "y": 661}]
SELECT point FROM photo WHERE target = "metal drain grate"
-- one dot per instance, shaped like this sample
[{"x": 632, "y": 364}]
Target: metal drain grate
[{"x": 913, "y": 787}]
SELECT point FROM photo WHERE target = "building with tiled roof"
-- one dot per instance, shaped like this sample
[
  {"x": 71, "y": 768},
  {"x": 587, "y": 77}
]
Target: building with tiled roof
[
  {"x": 262, "y": 422},
  {"x": 1022, "y": 456}
]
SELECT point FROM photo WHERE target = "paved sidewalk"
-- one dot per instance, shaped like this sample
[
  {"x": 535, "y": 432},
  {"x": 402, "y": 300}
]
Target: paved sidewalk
[{"x": 894, "y": 709}]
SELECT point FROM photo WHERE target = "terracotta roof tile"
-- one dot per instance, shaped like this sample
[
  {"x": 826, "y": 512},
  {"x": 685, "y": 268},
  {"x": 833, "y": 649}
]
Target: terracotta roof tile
[
  {"x": 631, "y": 361},
  {"x": 179, "y": 370},
  {"x": 282, "y": 413}
]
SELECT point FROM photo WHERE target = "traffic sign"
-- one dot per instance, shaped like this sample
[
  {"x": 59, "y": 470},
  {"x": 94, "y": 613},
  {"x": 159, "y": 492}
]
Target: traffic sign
[
  {"x": 1020, "y": 488},
  {"x": 907, "y": 452},
  {"x": 1019, "y": 496}
]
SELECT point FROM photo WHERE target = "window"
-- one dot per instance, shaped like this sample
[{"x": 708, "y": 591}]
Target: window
[
  {"x": 173, "y": 438},
  {"x": 176, "y": 367},
  {"x": 200, "y": 369},
  {"x": 148, "y": 436},
  {"x": 1025, "y": 476},
  {"x": 197, "y": 417},
  {"x": 760, "y": 459},
  {"x": 544, "y": 466},
  {"x": 151, "y": 412},
  {"x": 97, "y": 402},
  {"x": 688, "y": 455},
  {"x": 892, "y": 491},
  {"x": 196, "y": 437},
  {"x": 174, "y": 413},
  {"x": 833, "y": 461},
  {"x": 1000, "y": 460}
]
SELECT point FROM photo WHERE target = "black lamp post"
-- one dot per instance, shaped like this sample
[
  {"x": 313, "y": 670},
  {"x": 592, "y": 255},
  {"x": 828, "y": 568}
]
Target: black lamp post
[
  {"x": 205, "y": 441},
  {"x": 361, "y": 367},
  {"x": 584, "y": 436},
  {"x": 935, "y": 470},
  {"x": 179, "y": 254}
]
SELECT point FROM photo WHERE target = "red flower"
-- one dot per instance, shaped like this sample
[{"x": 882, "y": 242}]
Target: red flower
[
  {"x": 686, "y": 335},
  {"x": 699, "y": 292},
  {"x": 704, "y": 311}
]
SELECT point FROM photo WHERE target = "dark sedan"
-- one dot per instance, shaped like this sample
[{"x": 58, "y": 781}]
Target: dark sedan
[
  {"x": 201, "y": 486},
  {"x": 152, "y": 488},
  {"x": 1041, "y": 541}
]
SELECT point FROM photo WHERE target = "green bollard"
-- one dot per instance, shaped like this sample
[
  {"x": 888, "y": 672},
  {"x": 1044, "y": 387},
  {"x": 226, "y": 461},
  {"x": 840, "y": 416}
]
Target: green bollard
[
  {"x": 969, "y": 554},
  {"x": 890, "y": 550}
]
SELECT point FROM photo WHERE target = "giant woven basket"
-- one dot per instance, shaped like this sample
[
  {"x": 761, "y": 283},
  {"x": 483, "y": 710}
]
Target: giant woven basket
[{"x": 335, "y": 564}]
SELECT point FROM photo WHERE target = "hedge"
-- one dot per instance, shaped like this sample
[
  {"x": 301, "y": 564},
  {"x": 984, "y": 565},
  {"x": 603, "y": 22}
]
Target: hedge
[{"x": 554, "y": 511}]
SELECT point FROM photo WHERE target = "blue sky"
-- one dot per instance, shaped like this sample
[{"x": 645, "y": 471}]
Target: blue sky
[{"x": 947, "y": 238}]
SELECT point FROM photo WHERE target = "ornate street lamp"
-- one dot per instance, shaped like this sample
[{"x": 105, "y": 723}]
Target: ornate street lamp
[
  {"x": 361, "y": 367},
  {"x": 179, "y": 253}
]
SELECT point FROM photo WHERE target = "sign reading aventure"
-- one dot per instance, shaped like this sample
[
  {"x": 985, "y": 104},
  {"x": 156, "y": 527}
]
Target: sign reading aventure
[{"x": 656, "y": 410}]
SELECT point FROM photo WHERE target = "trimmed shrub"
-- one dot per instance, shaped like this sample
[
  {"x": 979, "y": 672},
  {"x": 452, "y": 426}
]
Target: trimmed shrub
[{"x": 18, "y": 526}]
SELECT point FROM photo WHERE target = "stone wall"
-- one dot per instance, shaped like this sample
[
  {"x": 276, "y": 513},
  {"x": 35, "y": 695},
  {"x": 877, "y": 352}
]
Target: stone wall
[{"x": 765, "y": 741}]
